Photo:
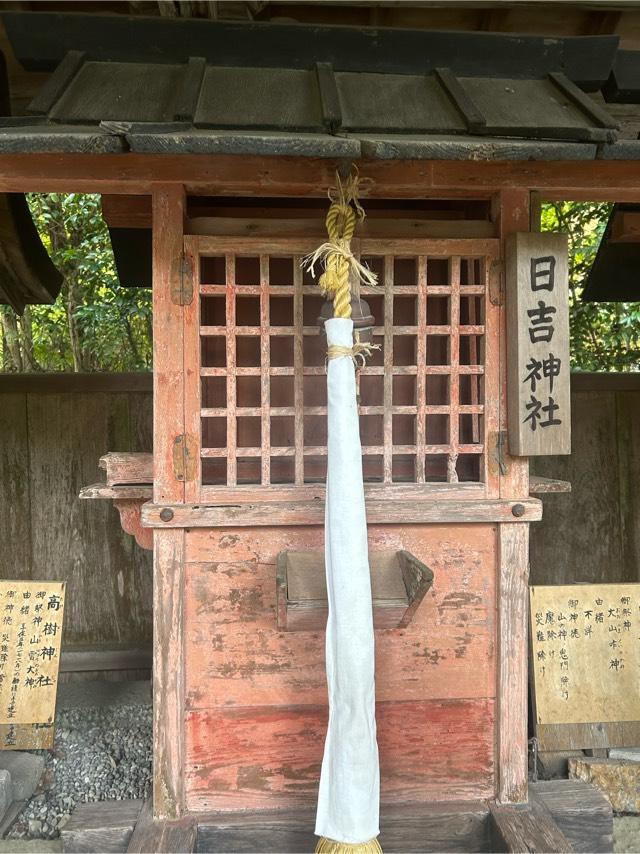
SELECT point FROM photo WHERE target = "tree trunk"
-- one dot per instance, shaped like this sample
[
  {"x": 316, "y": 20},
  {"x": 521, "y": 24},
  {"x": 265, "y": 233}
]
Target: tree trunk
[
  {"x": 26, "y": 327},
  {"x": 74, "y": 337},
  {"x": 132, "y": 343},
  {"x": 11, "y": 338}
]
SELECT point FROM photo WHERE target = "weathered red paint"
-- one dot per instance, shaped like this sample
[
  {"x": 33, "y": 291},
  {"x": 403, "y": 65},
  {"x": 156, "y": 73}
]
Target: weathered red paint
[
  {"x": 269, "y": 757},
  {"x": 256, "y": 697}
]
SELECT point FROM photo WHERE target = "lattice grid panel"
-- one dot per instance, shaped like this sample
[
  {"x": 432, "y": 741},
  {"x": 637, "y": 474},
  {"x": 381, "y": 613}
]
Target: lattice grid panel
[{"x": 263, "y": 383}]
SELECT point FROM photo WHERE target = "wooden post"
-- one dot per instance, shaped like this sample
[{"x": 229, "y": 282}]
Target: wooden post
[
  {"x": 168, "y": 563},
  {"x": 511, "y": 210}
]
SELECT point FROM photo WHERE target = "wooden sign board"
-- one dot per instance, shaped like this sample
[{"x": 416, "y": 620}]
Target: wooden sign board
[
  {"x": 585, "y": 652},
  {"x": 538, "y": 387},
  {"x": 31, "y": 614}
]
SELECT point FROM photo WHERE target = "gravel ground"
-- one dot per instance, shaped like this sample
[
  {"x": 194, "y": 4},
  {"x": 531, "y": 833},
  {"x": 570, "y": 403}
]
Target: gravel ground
[{"x": 101, "y": 753}]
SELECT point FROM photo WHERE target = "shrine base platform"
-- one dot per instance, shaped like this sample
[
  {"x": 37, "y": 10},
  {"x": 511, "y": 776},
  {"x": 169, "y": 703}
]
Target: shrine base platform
[{"x": 561, "y": 816}]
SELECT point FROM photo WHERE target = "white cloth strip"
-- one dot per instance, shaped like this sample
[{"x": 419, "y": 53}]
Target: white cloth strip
[{"x": 348, "y": 802}]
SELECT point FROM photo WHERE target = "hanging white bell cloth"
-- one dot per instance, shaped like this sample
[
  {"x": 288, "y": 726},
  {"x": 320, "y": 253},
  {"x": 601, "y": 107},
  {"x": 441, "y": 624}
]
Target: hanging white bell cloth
[{"x": 348, "y": 802}]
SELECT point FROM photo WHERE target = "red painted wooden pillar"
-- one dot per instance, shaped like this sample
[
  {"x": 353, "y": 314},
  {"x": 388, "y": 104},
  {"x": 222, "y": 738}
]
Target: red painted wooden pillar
[{"x": 168, "y": 553}]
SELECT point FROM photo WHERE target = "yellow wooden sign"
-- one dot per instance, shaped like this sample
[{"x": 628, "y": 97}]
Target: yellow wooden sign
[
  {"x": 585, "y": 647},
  {"x": 31, "y": 615}
]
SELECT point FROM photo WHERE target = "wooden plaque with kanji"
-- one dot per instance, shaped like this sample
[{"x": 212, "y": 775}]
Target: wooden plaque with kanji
[
  {"x": 31, "y": 614},
  {"x": 585, "y": 647}
]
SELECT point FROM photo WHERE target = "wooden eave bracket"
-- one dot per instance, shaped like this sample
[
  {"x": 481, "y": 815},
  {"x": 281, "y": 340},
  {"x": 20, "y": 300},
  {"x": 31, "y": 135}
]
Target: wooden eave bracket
[{"x": 128, "y": 501}]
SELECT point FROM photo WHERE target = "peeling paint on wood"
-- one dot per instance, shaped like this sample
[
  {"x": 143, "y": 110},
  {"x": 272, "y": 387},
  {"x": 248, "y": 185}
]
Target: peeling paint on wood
[
  {"x": 256, "y": 697},
  {"x": 266, "y": 757}
]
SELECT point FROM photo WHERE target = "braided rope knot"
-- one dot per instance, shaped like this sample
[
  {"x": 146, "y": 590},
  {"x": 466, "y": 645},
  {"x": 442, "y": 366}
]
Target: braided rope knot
[
  {"x": 328, "y": 253},
  {"x": 340, "y": 264}
]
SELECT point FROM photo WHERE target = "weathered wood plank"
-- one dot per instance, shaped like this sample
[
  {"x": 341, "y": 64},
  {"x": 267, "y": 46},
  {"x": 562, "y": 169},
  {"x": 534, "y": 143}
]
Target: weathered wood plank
[
  {"x": 127, "y": 467},
  {"x": 425, "y": 827},
  {"x": 75, "y": 383},
  {"x": 312, "y": 513},
  {"x": 595, "y": 470},
  {"x": 140, "y": 493},
  {"x": 168, "y": 573},
  {"x": 231, "y": 601},
  {"x": 262, "y": 757},
  {"x": 315, "y": 492},
  {"x": 149, "y": 834},
  {"x": 605, "y": 180},
  {"x": 168, "y": 386},
  {"x": 372, "y": 227},
  {"x": 604, "y": 382},
  {"x": 76, "y": 539},
  {"x": 527, "y": 828},
  {"x": 547, "y": 485},
  {"x": 15, "y": 519},
  {"x": 581, "y": 812},
  {"x": 513, "y": 571},
  {"x": 83, "y": 660},
  {"x": 586, "y": 736},
  {"x": 168, "y": 674},
  {"x": 105, "y": 826},
  {"x": 627, "y": 427},
  {"x": 511, "y": 213}
]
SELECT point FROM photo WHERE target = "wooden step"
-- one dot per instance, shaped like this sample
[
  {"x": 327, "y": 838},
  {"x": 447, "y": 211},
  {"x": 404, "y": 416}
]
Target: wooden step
[
  {"x": 527, "y": 827},
  {"x": 104, "y": 826},
  {"x": 446, "y": 826},
  {"x": 561, "y": 816},
  {"x": 581, "y": 811},
  {"x": 177, "y": 837}
]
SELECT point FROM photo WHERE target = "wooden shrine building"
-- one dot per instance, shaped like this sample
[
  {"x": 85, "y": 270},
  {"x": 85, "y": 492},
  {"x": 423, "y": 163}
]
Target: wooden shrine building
[{"x": 213, "y": 145}]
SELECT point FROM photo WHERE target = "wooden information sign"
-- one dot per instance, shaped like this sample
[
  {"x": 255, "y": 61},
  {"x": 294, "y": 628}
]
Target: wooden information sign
[
  {"x": 585, "y": 642},
  {"x": 538, "y": 391},
  {"x": 31, "y": 615}
]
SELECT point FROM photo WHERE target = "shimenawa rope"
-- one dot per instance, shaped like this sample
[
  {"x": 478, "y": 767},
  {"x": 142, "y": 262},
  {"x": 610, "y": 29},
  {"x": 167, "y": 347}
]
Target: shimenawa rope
[{"x": 340, "y": 264}]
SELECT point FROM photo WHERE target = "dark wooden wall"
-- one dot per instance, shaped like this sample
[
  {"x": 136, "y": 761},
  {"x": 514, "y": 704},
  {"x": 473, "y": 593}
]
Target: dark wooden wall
[
  {"x": 53, "y": 429},
  {"x": 593, "y": 534}
]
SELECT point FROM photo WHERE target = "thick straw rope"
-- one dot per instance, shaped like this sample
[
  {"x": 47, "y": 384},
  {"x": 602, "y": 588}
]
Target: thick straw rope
[{"x": 343, "y": 215}]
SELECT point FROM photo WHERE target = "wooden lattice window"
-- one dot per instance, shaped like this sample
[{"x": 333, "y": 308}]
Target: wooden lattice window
[{"x": 262, "y": 393}]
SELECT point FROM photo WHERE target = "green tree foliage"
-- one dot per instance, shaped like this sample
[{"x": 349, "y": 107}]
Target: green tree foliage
[
  {"x": 605, "y": 336},
  {"x": 95, "y": 324}
]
